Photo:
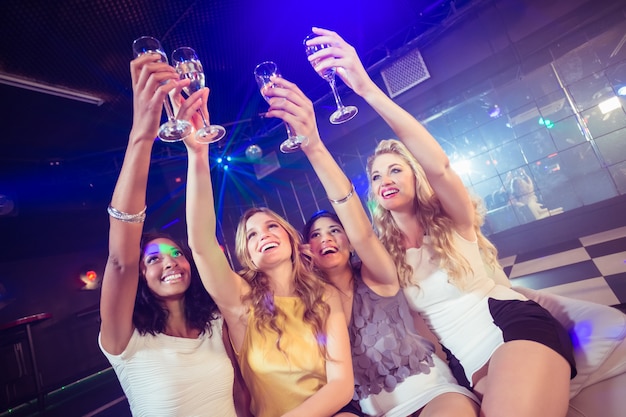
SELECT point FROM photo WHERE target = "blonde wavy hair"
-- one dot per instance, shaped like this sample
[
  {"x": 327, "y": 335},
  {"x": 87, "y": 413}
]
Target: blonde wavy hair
[
  {"x": 433, "y": 218},
  {"x": 308, "y": 286}
]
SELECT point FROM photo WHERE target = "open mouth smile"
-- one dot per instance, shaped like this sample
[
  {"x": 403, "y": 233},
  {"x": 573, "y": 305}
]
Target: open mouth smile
[
  {"x": 172, "y": 277},
  {"x": 269, "y": 245},
  {"x": 389, "y": 192}
]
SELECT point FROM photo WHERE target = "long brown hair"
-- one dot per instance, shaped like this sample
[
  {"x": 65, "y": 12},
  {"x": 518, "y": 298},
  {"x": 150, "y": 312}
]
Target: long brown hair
[
  {"x": 308, "y": 287},
  {"x": 431, "y": 216}
]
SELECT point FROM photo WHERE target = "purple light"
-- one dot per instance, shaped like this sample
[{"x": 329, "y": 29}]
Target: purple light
[{"x": 494, "y": 111}]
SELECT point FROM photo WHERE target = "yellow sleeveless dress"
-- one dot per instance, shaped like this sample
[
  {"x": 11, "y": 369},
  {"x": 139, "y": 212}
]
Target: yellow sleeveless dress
[{"x": 280, "y": 380}]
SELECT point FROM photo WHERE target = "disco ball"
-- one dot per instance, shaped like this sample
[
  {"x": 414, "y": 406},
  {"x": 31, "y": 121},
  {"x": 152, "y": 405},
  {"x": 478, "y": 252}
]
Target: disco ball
[{"x": 254, "y": 153}]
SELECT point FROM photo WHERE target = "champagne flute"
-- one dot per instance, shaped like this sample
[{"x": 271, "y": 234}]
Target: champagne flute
[
  {"x": 262, "y": 73},
  {"x": 189, "y": 67},
  {"x": 343, "y": 113},
  {"x": 173, "y": 130}
]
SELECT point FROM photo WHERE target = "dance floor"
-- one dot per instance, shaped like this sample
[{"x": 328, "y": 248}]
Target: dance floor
[{"x": 591, "y": 268}]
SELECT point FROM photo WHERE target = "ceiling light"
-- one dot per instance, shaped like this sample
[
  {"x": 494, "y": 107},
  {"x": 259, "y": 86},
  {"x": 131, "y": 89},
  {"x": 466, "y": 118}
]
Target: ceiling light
[{"x": 49, "y": 89}]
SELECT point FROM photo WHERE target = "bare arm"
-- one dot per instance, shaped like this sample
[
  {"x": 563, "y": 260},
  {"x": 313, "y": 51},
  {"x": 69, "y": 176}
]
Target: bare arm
[
  {"x": 121, "y": 273},
  {"x": 225, "y": 286},
  {"x": 446, "y": 183},
  {"x": 340, "y": 380},
  {"x": 297, "y": 110}
]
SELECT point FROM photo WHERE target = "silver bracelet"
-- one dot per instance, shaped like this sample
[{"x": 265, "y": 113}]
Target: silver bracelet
[
  {"x": 344, "y": 199},
  {"x": 127, "y": 217}
]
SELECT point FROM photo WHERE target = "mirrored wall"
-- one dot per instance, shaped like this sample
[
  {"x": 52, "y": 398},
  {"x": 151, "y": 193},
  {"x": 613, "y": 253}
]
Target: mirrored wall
[{"x": 545, "y": 142}]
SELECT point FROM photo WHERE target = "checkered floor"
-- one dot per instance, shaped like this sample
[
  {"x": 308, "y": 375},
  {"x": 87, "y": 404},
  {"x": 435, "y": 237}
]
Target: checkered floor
[{"x": 591, "y": 268}]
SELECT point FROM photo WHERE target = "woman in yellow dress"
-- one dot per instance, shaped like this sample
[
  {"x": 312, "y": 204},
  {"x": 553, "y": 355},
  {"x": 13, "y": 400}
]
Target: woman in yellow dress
[{"x": 286, "y": 326}]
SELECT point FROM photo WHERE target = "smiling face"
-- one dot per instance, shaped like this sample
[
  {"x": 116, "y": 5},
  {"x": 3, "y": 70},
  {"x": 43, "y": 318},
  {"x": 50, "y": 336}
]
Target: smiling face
[
  {"x": 167, "y": 271},
  {"x": 392, "y": 182},
  {"x": 267, "y": 242},
  {"x": 329, "y": 244}
]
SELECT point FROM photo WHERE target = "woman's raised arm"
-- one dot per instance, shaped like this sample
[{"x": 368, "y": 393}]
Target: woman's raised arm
[
  {"x": 128, "y": 203},
  {"x": 424, "y": 147},
  {"x": 225, "y": 286},
  {"x": 297, "y": 110}
]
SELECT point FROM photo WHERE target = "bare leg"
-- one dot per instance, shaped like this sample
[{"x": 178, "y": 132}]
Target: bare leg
[{"x": 525, "y": 379}]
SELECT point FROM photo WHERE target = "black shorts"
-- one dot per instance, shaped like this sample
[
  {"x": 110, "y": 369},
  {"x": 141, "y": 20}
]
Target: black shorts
[
  {"x": 352, "y": 407},
  {"x": 523, "y": 320}
]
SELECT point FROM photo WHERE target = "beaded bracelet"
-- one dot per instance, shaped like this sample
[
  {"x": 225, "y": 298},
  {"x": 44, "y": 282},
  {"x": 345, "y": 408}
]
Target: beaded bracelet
[
  {"x": 127, "y": 217},
  {"x": 344, "y": 199}
]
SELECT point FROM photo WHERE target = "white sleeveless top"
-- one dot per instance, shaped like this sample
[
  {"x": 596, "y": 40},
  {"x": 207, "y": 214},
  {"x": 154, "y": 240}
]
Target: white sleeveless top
[
  {"x": 169, "y": 376},
  {"x": 460, "y": 318}
]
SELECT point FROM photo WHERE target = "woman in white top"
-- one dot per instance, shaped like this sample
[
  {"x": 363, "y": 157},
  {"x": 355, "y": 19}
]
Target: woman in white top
[
  {"x": 160, "y": 330},
  {"x": 515, "y": 356}
]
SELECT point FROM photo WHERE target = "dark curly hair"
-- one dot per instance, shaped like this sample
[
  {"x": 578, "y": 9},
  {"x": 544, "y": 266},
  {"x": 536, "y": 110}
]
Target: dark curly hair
[{"x": 150, "y": 315}]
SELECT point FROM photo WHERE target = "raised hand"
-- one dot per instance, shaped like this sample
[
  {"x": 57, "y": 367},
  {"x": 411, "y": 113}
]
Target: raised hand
[
  {"x": 288, "y": 102},
  {"x": 192, "y": 109},
  {"x": 342, "y": 56},
  {"x": 150, "y": 87}
]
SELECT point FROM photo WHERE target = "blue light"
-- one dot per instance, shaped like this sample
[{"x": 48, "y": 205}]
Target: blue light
[
  {"x": 621, "y": 91},
  {"x": 219, "y": 160}
]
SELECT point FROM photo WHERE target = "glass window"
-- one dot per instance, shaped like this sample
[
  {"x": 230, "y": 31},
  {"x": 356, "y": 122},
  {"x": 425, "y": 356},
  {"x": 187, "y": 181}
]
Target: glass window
[
  {"x": 578, "y": 161},
  {"x": 537, "y": 145},
  {"x": 595, "y": 186},
  {"x": 554, "y": 107},
  {"x": 492, "y": 192},
  {"x": 481, "y": 168},
  {"x": 590, "y": 91},
  {"x": 470, "y": 143},
  {"x": 460, "y": 119},
  {"x": 618, "y": 172},
  {"x": 600, "y": 122},
  {"x": 526, "y": 119},
  {"x": 496, "y": 132},
  {"x": 542, "y": 81},
  {"x": 567, "y": 133},
  {"x": 613, "y": 146},
  {"x": 507, "y": 157}
]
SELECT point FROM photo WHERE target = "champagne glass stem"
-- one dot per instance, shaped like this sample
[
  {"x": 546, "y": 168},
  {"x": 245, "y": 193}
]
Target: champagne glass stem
[
  {"x": 289, "y": 130},
  {"x": 204, "y": 122},
  {"x": 168, "y": 109},
  {"x": 333, "y": 86}
]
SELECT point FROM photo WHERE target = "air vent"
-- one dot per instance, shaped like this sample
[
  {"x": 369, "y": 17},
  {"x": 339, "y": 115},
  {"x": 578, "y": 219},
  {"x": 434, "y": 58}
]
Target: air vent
[{"x": 405, "y": 72}]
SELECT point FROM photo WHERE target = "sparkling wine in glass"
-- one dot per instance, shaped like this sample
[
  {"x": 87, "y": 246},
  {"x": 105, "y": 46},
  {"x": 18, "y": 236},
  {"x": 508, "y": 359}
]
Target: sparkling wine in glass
[
  {"x": 262, "y": 73},
  {"x": 343, "y": 113},
  {"x": 174, "y": 129},
  {"x": 189, "y": 67}
]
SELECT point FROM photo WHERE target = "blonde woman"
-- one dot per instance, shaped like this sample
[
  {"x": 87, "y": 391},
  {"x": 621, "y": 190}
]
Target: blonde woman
[
  {"x": 286, "y": 326},
  {"x": 510, "y": 351}
]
